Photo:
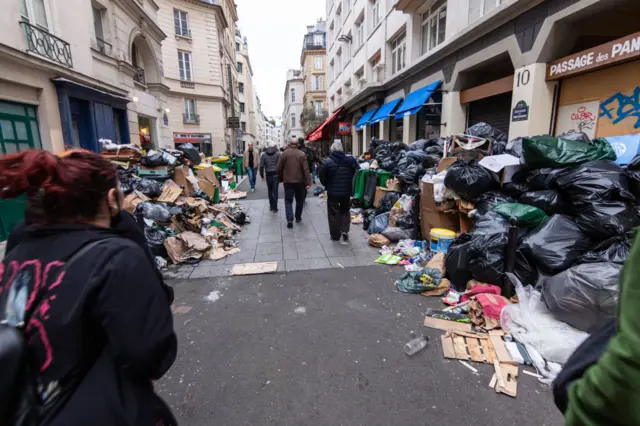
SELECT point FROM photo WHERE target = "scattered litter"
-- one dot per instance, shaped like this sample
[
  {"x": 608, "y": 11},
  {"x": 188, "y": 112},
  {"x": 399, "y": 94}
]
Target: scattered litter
[
  {"x": 475, "y": 371},
  {"x": 214, "y": 296},
  {"x": 529, "y": 373},
  {"x": 340, "y": 265},
  {"x": 300, "y": 310},
  {"x": 254, "y": 268}
]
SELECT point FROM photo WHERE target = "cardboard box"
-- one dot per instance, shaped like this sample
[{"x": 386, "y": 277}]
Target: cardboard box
[
  {"x": 434, "y": 215},
  {"x": 380, "y": 191},
  {"x": 209, "y": 175},
  {"x": 464, "y": 207},
  {"x": 182, "y": 177},
  {"x": 504, "y": 165}
]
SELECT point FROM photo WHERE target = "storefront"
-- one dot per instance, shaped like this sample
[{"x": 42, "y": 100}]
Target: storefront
[
  {"x": 600, "y": 91},
  {"x": 423, "y": 109},
  {"x": 202, "y": 141},
  {"x": 324, "y": 135},
  {"x": 489, "y": 103}
]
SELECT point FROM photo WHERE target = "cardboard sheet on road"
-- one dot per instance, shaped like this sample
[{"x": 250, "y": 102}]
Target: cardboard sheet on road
[{"x": 255, "y": 268}]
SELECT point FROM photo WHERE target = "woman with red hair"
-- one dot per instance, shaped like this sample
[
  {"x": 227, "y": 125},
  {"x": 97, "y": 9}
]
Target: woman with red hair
[{"x": 85, "y": 293}]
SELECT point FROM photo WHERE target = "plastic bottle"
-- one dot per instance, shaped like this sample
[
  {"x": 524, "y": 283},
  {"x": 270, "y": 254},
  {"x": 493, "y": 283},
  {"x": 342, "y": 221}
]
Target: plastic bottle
[{"x": 416, "y": 345}]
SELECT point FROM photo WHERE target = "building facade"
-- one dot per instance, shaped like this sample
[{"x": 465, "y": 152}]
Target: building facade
[
  {"x": 201, "y": 73},
  {"x": 293, "y": 105},
  {"x": 249, "y": 110},
  {"x": 313, "y": 65},
  {"x": 408, "y": 69}
]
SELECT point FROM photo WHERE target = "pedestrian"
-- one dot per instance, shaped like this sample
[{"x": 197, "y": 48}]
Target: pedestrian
[
  {"x": 310, "y": 159},
  {"x": 97, "y": 322},
  {"x": 293, "y": 172},
  {"x": 250, "y": 162},
  {"x": 268, "y": 164},
  {"x": 336, "y": 175}
]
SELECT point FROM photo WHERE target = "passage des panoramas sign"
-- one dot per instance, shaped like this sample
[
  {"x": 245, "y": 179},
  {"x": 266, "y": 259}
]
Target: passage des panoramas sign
[
  {"x": 344, "y": 128},
  {"x": 620, "y": 50}
]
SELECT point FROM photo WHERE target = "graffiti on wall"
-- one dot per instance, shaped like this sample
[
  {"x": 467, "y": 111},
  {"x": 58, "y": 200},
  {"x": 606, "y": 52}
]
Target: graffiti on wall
[
  {"x": 580, "y": 117},
  {"x": 620, "y": 107}
]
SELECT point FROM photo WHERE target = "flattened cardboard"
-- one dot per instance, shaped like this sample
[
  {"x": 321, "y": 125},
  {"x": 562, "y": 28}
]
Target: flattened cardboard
[
  {"x": 170, "y": 192},
  {"x": 209, "y": 175},
  {"x": 255, "y": 268},
  {"x": 180, "y": 177},
  {"x": 445, "y": 325}
]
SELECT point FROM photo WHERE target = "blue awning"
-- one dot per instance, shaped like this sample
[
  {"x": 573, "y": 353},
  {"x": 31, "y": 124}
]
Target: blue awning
[
  {"x": 365, "y": 119},
  {"x": 416, "y": 100},
  {"x": 385, "y": 111}
]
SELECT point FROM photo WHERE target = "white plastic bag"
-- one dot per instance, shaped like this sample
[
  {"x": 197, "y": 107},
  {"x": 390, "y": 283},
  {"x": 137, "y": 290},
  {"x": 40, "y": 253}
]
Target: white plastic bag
[{"x": 531, "y": 323}]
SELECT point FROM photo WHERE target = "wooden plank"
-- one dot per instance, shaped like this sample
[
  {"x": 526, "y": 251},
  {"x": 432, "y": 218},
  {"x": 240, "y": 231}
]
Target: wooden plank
[
  {"x": 460, "y": 348},
  {"x": 487, "y": 349},
  {"x": 445, "y": 325},
  {"x": 447, "y": 347},
  {"x": 500, "y": 350},
  {"x": 254, "y": 268},
  {"x": 494, "y": 380},
  {"x": 510, "y": 378},
  {"x": 501, "y": 382},
  {"x": 474, "y": 349}
]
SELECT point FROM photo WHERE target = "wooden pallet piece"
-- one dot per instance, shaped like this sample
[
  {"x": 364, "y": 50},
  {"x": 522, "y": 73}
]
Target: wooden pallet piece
[
  {"x": 447, "y": 347},
  {"x": 500, "y": 349},
  {"x": 510, "y": 377},
  {"x": 468, "y": 347}
]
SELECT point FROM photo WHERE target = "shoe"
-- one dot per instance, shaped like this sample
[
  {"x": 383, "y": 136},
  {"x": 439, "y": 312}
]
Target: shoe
[
  {"x": 275, "y": 210},
  {"x": 298, "y": 220},
  {"x": 345, "y": 236},
  {"x": 289, "y": 225},
  {"x": 335, "y": 240},
  {"x": 253, "y": 190}
]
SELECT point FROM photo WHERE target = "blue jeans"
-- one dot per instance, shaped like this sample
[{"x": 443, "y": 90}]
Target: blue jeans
[
  {"x": 314, "y": 170},
  {"x": 251, "y": 172},
  {"x": 272, "y": 188}
]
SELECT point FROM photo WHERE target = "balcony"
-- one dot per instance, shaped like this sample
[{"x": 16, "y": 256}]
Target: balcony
[
  {"x": 104, "y": 47},
  {"x": 314, "y": 42},
  {"x": 40, "y": 42},
  {"x": 187, "y": 84},
  {"x": 138, "y": 77},
  {"x": 183, "y": 32},
  {"x": 191, "y": 118}
]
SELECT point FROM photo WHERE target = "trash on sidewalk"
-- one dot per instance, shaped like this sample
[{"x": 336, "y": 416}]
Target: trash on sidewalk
[
  {"x": 415, "y": 345},
  {"x": 254, "y": 268}
]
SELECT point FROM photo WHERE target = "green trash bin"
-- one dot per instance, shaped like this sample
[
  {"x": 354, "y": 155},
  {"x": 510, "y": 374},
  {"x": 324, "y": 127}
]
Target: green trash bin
[
  {"x": 383, "y": 177},
  {"x": 216, "y": 196},
  {"x": 360, "y": 179},
  {"x": 238, "y": 166}
]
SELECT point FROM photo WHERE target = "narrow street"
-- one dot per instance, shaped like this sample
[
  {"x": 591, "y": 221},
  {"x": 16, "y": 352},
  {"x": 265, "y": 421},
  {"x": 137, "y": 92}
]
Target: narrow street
[{"x": 321, "y": 345}]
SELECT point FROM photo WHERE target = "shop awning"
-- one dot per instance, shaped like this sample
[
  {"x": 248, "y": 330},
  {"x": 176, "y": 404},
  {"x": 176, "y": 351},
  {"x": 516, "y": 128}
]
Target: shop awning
[
  {"x": 385, "y": 111},
  {"x": 364, "y": 120},
  {"x": 415, "y": 100},
  {"x": 317, "y": 133}
]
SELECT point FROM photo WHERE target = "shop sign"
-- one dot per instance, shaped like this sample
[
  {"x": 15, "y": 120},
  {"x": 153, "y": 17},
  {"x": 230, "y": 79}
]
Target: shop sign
[
  {"x": 233, "y": 122},
  {"x": 580, "y": 117},
  {"x": 192, "y": 137},
  {"x": 344, "y": 128},
  {"x": 622, "y": 49},
  {"x": 520, "y": 112}
]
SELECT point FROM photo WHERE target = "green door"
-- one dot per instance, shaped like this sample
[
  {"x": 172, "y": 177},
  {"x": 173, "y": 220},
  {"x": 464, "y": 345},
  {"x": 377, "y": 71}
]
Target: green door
[{"x": 18, "y": 132}]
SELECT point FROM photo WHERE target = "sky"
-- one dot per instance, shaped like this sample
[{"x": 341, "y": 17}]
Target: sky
[{"x": 275, "y": 30}]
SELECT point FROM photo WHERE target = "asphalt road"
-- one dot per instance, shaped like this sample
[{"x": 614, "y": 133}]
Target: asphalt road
[{"x": 324, "y": 347}]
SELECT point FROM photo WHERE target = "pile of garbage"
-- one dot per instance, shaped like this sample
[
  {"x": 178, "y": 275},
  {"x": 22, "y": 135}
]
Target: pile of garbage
[{"x": 175, "y": 197}]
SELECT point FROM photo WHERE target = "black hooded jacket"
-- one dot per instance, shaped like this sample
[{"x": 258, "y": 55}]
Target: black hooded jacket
[
  {"x": 336, "y": 174},
  {"x": 103, "y": 324},
  {"x": 269, "y": 161}
]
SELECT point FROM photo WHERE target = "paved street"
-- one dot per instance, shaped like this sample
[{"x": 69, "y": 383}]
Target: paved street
[{"x": 322, "y": 347}]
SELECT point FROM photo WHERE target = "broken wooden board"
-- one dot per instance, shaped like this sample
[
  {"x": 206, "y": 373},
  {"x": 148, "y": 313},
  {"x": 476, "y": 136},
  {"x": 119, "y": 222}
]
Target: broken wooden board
[
  {"x": 509, "y": 375},
  {"x": 255, "y": 268},
  {"x": 170, "y": 192},
  {"x": 500, "y": 349},
  {"x": 467, "y": 346},
  {"x": 445, "y": 325}
]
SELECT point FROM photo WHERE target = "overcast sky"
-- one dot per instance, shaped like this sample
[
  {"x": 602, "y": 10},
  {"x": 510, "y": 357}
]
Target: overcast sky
[{"x": 275, "y": 30}]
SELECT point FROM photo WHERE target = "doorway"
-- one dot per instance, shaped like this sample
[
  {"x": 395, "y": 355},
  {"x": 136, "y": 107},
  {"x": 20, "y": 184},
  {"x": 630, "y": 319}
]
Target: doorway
[{"x": 146, "y": 129}]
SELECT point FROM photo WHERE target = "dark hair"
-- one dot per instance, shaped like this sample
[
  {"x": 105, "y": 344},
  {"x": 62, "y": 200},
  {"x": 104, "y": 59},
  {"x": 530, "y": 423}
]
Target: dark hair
[
  {"x": 59, "y": 188},
  {"x": 301, "y": 142}
]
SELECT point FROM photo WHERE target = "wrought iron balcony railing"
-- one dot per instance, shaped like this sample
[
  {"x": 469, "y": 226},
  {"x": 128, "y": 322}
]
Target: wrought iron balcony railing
[
  {"x": 139, "y": 76},
  {"x": 187, "y": 84},
  {"x": 191, "y": 118},
  {"x": 41, "y": 42}
]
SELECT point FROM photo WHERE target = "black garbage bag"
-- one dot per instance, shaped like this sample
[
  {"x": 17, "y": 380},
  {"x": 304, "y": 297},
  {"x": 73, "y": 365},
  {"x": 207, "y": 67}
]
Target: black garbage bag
[
  {"x": 201, "y": 194},
  {"x": 456, "y": 262},
  {"x": 379, "y": 223},
  {"x": 381, "y": 153},
  {"x": 431, "y": 161},
  {"x": 550, "y": 201},
  {"x": 484, "y": 130},
  {"x": 398, "y": 146},
  {"x": 418, "y": 145},
  {"x": 489, "y": 223},
  {"x": 356, "y": 203},
  {"x": 406, "y": 222},
  {"x": 469, "y": 180},
  {"x": 395, "y": 234},
  {"x": 595, "y": 181},
  {"x": 515, "y": 148},
  {"x": 613, "y": 250},
  {"x": 411, "y": 174},
  {"x": 515, "y": 189},
  {"x": 545, "y": 178},
  {"x": 575, "y": 136},
  {"x": 240, "y": 217},
  {"x": 155, "y": 240},
  {"x": 148, "y": 187},
  {"x": 387, "y": 201},
  {"x": 499, "y": 148},
  {"x": 485, "y": 202},
  {"x": 387, "y": 164},
  {"x": 403, "y": 163},
  {"x": 632, "y": 171},
  {"x": 584, "y": 296},
  {"x": 367, "y": 217},
  {"x": 436, "y": 150},
  {"x": 605, "y": 219},
  {"x": 127, "y": 185},
  {"x": 191, "y": 152},
  {"x": 418, "y": 156},
  {"x": 370, "y": 186},
  {"x": 156, "y": 211},
  {"x": 556, "y": 244},
  {"x": 153, "y": 160}
]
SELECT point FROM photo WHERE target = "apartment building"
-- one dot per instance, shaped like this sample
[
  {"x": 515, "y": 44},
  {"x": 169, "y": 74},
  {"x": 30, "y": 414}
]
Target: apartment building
[
  {"x": 249, "y": 109},
  {"x": 293, "y": 105},
  {"x": 410, "y": 69},
  {"x": 313, "y": 65},
  {"x": 201, "y": 73}
]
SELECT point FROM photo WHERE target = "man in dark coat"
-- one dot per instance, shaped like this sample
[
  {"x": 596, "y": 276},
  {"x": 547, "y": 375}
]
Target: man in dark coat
[
  {"x": 336, "y": 174},
  {"x": 268, "y": 164}
]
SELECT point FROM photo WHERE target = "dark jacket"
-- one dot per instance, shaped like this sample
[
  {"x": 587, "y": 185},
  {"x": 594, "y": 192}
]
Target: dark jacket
[
  {"x": 310, "y": 155},
  {"x": 336, "y": 174},
  {"x": 104, "y": 323},
  {"x": 269, "y": 161},
  {"x": 293, "y": 168}
]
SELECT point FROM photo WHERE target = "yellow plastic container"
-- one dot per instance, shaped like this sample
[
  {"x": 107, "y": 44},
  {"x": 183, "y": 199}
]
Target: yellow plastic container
[{"x": 441, "y": 239}]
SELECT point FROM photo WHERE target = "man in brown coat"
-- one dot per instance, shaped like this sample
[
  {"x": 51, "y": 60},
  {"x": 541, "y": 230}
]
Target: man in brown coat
[
  {"x": 293, "y": 172},
  {"x": 250, "y": 163}
]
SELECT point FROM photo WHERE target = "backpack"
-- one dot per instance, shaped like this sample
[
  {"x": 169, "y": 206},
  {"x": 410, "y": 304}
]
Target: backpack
[{"x": 20, "y": 403}]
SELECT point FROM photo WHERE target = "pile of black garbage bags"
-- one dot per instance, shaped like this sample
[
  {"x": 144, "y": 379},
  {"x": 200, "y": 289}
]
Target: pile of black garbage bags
[{"x": 575, "y": 255}]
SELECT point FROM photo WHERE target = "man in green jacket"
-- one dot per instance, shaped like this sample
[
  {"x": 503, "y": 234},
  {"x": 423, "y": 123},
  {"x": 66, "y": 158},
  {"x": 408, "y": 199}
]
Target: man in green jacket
[{"x": 608, "y": 393}]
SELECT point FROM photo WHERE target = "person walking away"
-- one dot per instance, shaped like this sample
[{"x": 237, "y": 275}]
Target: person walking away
[
  {"x": 250, "y": 163},
  {"x": 293, "y": 172},
  {"x": 310, "y": 158},
  {"x": 91, "y": 305},
  {"x": 336, "y": 175},
  {"x": 268, "y": 164}
]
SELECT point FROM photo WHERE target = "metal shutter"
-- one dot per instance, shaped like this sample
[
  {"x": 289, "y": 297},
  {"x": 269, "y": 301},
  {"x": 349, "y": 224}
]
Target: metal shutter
[{"x": 494, "y": 110}]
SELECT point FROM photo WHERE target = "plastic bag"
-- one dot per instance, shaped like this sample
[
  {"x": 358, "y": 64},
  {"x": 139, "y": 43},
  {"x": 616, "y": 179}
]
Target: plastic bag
[
  {"x": 527, "y": 216},
  {"x": 191, "y": 152},
  {"x": 605, "y": 219},
  {"x": 435, "y": 150},
  {"x": 318, "y": 190},
  {"x": 515, "y": 148},
  {"x": 367, "y": 217},
  {"x": 161, "y": 212},
  {"x": 484, "y": 130},
  {"x": 418, "y": 282},
  {"x": 379, "y": 223},
  {"x": 487, "y": 201},
  {"x": 378, "y": 240},
  {"x": 387, "y": 201},
  {"x": 596, "y": 180},
  {"x": 395, "y": 234},
  {"x": 633, "y": 177},
  {"x": 613, "y": 250},
  {"x": 515, "y": 189},
  {"x": 550, "y": 201},
  {"x": 490, "y": 223},
  {"x": 155, "y": 240},
  {"x": 575, "y": 136},
  {"x": 418, "y": 145},
  {"x": 127, "y": 185},
  {"x": 557, "y": 152},
  {"x": 545, "y": 178},
  {"x": 406, "y": 222},
  {"x": 530, "y": 322},
  {"x": 584, "y": 296},
  {"x": 456, "y": 262},
  {"x": 418, "y": 156},
  {"x": 469, "y": 180},
  {"x": 556, "y": 244},
  {"x": 148, "y": 187},
  {"x": 153, "y": 160},
  {"x": 405, "y": 202}
]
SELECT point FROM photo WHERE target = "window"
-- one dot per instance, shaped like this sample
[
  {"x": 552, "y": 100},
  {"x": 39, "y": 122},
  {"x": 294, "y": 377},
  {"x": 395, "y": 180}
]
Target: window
[
  {"x": 359, "y": 75},
  {"x": 97, "y": 23},
  {"x": 293, "y": 96},
  {"x": 184, "y": 65},
  {"x": 189, "y": 110},
  {"x": 398, "y": 53},
  {"x": 35, "y": 12},
  {"x": 479, "y": 8},
  {"x": 360, "y": 31},
  {"x": 347, "y": 7},
  {"x": 316, "y": 82},
  {"x": 375, "y": 13},
  {"x": 239, "y": 67},
  {"x": 237, "y": 46},
  {"x": 318, "y": 107},
  {"x": 339, "y": 62},
  {"x": 318, "y": 63},
  {"x": 241, "y": 106},
  {"x": 347, "y": 48},
  {"x": 293, "y": 119},
  {"x": 332, "y": 70},
  {"x": 434, "y": 26},
  {"x": 241, "y": 87},
  {"x": 243, "y": 126},
  {"x": 376, "y": 69},
  {"x": 318, "y": 40},
  {"x": 181, "y": 24}
]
